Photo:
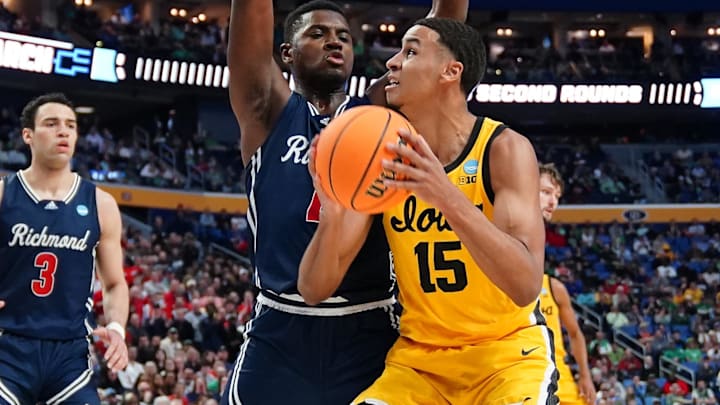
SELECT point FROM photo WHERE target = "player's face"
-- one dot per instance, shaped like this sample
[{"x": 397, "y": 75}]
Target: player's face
[
  {"x": 416, "y": 69},
  {"x": 323, "y": 49},
  {"x": 52, "y": 142},
  {"x": 549, "y": 196}
]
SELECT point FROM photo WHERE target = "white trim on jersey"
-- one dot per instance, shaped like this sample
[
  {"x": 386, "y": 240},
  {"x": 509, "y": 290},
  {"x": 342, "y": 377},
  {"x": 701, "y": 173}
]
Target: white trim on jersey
[
  {"x": 73, "y": 190},
  {"x": 72, "y": 388},
  {"x": 313, "y": 110},
  {"x": 341, "y": 108},
  {"x": 251, "y": 215},
  {"x": 314, "y": 311},
  {"x": 34, "y": 196},
  {"x": 7, "y": 395},
  {"x": 28, "y": 190}
]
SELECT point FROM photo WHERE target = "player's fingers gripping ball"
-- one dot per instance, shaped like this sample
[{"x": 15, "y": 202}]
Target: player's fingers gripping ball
[{"x": 349, "y": 158}]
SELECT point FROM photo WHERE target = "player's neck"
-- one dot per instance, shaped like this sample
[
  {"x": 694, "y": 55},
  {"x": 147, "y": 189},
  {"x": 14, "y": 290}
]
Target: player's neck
[
  {"x": 446, "y": 126},
  {"x": 325, "y": 101},
  {"x": 49, "y": 184}
]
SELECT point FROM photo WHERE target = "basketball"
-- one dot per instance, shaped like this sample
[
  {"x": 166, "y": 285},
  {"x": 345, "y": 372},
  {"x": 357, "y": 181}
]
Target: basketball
[{"x": 349, "y": 158}]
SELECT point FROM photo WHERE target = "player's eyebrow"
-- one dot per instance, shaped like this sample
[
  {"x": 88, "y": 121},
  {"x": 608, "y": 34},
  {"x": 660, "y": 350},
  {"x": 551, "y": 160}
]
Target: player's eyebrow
[
  {"x": 412, "y": 40},
  {"x": 325, "y": 27}
]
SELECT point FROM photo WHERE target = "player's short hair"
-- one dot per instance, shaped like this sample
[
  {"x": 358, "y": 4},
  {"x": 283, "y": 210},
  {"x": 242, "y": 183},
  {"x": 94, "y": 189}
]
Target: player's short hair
[
  {"x": 554, "y": 173},
  {"x": 293, "y": 21},
  {"x": 29, "y": 112},
  {"x": 466, "y": 45}
]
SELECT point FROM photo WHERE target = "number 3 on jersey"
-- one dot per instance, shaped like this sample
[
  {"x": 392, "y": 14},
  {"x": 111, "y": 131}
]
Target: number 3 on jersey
[
  {"x": 440, "y": 264},
  {"x": 47, "y": 263}
]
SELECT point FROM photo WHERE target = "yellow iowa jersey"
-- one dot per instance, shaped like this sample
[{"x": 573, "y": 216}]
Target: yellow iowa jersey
[
  {"x": 447, "y": 299},
  {"x": 551, "y": 312}
]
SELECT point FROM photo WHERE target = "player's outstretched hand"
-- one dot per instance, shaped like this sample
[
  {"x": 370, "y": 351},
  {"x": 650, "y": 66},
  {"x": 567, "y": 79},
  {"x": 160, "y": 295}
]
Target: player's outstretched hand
[
  {"x": 116, "y": 355},
  {"x": 2, "y": 304}
]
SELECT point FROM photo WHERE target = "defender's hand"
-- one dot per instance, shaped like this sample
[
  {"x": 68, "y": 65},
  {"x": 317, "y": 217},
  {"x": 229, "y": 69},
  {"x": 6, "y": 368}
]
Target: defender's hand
[{"x": 116, "y": 355}]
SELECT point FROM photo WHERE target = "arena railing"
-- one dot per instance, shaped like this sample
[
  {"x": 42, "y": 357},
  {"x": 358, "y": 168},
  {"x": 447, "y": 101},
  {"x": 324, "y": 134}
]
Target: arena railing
[
  {"x": 626, "y": 341},
  {"x": 214, "y": 248},
  {"x": 669, "y": 367},
  {"x": 167, "y": 154},
  {"x": 141, "y": 137},
  {"x": 589, "y": 317}
]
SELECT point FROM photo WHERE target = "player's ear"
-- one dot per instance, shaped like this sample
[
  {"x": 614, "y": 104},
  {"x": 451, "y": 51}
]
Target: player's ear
[
  {"x": 27, "y": 134},
  {"x": 452, "y": 72},
  {"x": 286, "y": 53}
]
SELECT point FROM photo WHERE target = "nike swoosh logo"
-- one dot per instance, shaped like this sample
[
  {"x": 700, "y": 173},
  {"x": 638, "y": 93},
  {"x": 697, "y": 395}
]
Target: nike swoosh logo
[{"x": 526, "y": 352}]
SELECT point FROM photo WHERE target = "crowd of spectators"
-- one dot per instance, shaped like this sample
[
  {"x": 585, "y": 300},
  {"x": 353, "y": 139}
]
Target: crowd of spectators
[
  {"x": 165, "y": 157},
  {"x": 660, "y": 285},
  {"x": 188, "y": 310},
  {"x": 590, "y": 176},
  {"x": 168, "y": 156},
  {"x": 657, "y": 283},
  {"x": 686, "y": 176}
]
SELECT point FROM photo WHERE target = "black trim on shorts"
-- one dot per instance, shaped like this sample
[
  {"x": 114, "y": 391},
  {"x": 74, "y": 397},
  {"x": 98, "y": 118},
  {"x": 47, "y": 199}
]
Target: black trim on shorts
[{"x": 552, "y": 398}]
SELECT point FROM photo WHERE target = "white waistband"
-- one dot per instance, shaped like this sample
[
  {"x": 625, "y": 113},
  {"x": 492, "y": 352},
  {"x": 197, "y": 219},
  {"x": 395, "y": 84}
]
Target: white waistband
[{"x": 315, "y": 311}]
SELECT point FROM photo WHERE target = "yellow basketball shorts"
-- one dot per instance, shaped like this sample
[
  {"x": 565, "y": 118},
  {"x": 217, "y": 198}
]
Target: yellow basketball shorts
[
  {"x": 517, "y": 369},
  {"x": 568, "y": 391}
]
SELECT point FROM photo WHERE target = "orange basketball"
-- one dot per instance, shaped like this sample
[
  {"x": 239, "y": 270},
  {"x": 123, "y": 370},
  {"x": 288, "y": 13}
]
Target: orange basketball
[{"x": 349, "y": 158}]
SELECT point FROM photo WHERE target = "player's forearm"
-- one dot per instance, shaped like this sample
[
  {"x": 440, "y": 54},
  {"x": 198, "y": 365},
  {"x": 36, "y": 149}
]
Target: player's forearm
[
  {"x": 320, "y": 273},
  {"x": 116, "y": 303},
  {"x": 505, "y": 260},
  {"x": 578, "y": 347},
  {"x": 455, "y": 9}
]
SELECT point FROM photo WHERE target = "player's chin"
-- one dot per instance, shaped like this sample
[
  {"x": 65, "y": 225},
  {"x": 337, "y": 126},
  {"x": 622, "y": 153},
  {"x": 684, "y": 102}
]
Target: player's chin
[
  {"x": 338, "y": 75},
  {"x": 59, "y": 161}
]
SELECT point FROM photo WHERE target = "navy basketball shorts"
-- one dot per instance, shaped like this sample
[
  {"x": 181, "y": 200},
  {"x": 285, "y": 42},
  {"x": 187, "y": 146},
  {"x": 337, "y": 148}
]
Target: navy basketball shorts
[
  {"x": 49, "y": 371},
  {"x": 315, "y": 360}
]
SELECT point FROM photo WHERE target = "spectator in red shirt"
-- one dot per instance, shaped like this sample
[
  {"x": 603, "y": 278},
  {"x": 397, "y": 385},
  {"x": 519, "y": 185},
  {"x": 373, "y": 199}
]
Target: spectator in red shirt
[
  {"x": 684, "y": 388},
  {"x": 629, "y": 365}
]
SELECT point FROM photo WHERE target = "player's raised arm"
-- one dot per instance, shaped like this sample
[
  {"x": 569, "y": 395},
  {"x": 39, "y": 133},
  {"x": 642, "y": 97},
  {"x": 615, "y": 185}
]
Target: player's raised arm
[
  {"x": 454, "y": 9},
  {"x": 115, "y": 290},
  {"x": 578, "y": 347},
  {"x": 258, "y": 91},
  {"x": 338, "y": 239}
]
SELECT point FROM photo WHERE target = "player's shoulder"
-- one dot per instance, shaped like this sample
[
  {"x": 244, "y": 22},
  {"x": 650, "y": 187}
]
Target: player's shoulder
[
  {"x": 509, "y": 141},
  {"x": 557, "y": 288},
  {"x": 105, "y": 201}
]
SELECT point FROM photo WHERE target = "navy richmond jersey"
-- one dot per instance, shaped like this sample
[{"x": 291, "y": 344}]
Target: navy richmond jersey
[
  {"x": 283, "y": 214},
  {"x": 47, "y": 265}
]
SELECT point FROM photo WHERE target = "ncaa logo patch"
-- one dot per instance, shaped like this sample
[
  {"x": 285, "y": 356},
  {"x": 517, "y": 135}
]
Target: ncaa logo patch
[
  {"x": 82, "y": 210},
  {"x": 470, "y": 167}
]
